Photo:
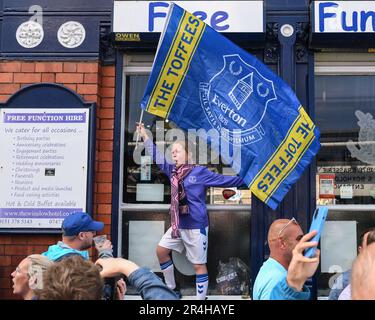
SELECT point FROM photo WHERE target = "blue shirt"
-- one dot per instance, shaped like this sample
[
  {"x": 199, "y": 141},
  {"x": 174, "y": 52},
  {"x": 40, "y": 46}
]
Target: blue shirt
[
  {"x": 57, "y": 251},
  {"x": 61, "y": 249},
  {"x": 270, "y": 284},
  {"x": 195, "y": 184},
  {"x": 341, "y": 282}
]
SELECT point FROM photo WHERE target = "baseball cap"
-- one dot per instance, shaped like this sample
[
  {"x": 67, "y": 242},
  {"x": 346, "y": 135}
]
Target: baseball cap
[{"x": 78, "y": 222}]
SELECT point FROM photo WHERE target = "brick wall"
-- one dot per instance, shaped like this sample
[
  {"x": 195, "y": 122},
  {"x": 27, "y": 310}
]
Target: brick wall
[{"x": 94, "y": 83}]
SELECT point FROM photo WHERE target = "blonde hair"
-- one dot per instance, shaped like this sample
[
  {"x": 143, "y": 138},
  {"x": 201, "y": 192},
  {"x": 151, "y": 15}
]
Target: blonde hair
[{"x": 38, "y": 265}]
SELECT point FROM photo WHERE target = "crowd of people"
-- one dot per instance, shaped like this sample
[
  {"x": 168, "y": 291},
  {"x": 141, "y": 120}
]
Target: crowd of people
[{"x": 65, "y": 272}]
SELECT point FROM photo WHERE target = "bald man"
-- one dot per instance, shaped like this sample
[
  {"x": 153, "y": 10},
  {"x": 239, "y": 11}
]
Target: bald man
[
  {"x": 287, "y": 244},
  {"x": 363, "y": 275}
]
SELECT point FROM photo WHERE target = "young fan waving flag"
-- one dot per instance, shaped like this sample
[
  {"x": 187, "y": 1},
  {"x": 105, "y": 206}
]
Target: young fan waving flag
[{"x": 200, "y": 79}]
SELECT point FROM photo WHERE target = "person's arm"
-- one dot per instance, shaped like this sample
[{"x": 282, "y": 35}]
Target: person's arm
[
  {"x": 151, "y": 148},
  {"x": 112, "y": 267},
  {"x": 301, "y": 268},
  {"x": 159, "y": 158},
  {"x": 211, "y": 179},
  {"x": 150, "y": 285},
  {"x": 282, "y": 291},
  {"x": 146, "y": 282},
  {"x": 292, "y": 287}
]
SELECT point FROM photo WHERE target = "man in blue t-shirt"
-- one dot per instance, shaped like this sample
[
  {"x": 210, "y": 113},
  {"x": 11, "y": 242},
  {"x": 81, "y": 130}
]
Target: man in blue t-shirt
[
  {"x": 283, "y": 275},
  {"x": 78, "y": 231}
]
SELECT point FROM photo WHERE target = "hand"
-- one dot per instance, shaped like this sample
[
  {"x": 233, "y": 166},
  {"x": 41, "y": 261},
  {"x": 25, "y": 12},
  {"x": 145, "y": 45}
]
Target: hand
[
  {"x": 107, "y": 245},
  {"x": 112, "y": 267},
  {"x": 301, "y": 267},
  {"x": 142, "y": 131},
  {"x": 121, "y": 289}
]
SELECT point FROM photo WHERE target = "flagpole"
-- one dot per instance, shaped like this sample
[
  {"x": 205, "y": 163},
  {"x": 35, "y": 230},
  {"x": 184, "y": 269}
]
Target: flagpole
[{"x": 140, "y": 123}]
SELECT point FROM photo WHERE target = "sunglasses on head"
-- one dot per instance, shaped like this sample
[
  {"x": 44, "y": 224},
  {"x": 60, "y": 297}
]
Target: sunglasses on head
[{"x": 293, "y": 220}]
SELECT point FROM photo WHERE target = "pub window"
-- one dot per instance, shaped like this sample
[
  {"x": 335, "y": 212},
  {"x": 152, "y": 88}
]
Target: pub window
[
  {"x": 145, "y": 193},
  {"x": 345, "y": 173}
]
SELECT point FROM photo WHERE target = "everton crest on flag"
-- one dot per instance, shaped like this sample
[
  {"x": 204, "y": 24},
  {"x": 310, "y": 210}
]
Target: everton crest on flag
[{"x": 201, "y": 80}]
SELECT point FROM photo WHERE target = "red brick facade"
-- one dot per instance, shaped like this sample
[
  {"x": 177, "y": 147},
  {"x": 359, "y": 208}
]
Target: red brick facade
[{"x": 94, "y": 83}]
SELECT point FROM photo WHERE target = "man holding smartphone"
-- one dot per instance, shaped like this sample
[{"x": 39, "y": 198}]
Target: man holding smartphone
[{"x": 283, "y": 275}]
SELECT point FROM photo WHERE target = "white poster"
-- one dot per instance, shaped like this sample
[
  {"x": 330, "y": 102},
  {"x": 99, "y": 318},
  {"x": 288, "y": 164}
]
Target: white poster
[
  {"x": 150, "y": 192},
  {"x": 142, "y": 243},
  {"x": 346, "y": 192},
  {"x": 338, "y": 246},
  {"x": 43, "y": 166}
]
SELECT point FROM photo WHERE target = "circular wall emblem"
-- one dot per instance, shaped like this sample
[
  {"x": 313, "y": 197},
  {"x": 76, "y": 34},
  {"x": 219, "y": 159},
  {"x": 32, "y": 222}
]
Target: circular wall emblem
[
  {"x": 29, "y": 34},
  {"x": 71, "y": 34}
]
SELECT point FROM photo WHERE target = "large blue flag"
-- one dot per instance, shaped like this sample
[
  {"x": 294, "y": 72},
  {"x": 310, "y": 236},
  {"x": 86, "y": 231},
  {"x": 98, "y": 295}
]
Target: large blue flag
[{"x": 200, "y": 79}]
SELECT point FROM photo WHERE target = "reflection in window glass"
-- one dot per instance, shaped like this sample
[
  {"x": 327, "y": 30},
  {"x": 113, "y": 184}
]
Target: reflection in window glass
[
  {"x": 145, "y": 182},
  {"x": 345, "y": 110}
]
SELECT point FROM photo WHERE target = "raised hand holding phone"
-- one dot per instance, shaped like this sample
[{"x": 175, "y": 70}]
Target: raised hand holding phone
[{"x": 301, "y": 267}]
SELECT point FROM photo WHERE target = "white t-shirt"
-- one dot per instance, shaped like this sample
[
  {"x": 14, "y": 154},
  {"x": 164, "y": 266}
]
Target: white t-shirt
[{"x": 346, "y": 294}]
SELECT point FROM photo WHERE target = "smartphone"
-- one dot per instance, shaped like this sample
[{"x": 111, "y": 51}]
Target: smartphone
[{"x": 317, "y": 224}]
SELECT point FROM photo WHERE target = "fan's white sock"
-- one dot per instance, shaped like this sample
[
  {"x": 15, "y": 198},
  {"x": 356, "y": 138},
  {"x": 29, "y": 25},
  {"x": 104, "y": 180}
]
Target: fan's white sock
[
  {"x": 168, "y": 271},
  {"x": 202, "y": 286}
]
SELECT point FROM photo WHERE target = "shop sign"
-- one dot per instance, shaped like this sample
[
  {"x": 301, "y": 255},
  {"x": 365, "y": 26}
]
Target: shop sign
[
  {"x": 43, "y": 172},
  {"x": 344, "y": 16},
  {"x": 348, "y": 181},
  {"x": 223, "y": 16},
  {"x": 47, "y": 158}
]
